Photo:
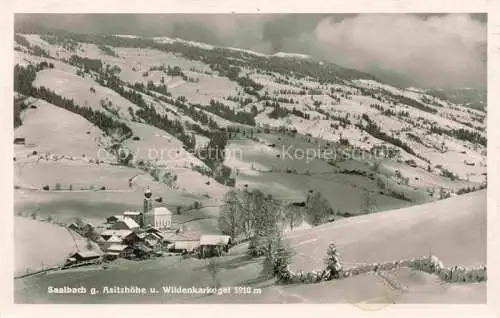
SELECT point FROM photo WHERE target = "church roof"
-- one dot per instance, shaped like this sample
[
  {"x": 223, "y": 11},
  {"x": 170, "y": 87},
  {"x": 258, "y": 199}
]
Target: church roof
[
  {"x": 131, "y": 213},
  {"x": 160, "y": 211}
]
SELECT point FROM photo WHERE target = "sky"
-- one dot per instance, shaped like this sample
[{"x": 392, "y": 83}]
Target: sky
[{"x": 421, "y": 50}]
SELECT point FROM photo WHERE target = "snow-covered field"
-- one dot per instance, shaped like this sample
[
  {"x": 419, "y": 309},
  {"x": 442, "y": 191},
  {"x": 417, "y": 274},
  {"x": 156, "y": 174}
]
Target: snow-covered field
[
  {"x": 41, "y": 245},
  {"x": 70, "y": 134},
  {"x": 74, "y": 87},
  {"x": 449, "y": 229}
]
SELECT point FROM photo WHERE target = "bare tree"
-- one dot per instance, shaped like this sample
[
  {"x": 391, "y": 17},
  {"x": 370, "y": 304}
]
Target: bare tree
[
  {"x": 293, "y": 215},
  {"x": 230, "y": 215},
  {"x": 317, "y": 207}
]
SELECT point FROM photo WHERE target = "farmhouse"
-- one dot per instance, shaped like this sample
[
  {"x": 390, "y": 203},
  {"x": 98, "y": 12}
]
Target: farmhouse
[
  {"x": 119, "y": 250},
  {"x": 179, "y": 243},
  {"x": 152, "y": 239},
  {"x": 83, "y": 257},
  {"x": 112, "y": 240},
  {"x": 126, "y": 236},
  {"x": 74, "y": 227},
  {"x": 19, "y": 141},
  {"x": 214, "y": 245},
  {"x": 125, "y": 224}
]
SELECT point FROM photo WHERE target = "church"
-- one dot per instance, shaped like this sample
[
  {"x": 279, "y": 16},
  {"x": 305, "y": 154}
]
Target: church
[{"x": 157, "y": 217}]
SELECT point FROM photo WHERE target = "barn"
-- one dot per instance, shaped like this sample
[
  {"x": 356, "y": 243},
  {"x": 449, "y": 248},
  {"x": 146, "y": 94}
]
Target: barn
[{"x": 214, "y": 245}]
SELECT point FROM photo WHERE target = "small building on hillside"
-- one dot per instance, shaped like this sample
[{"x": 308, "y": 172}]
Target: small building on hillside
[
  {"x": 214, "y": 245},
  {"x": 86, "y": 257},
  {"x": 159, "y": 217},
  {"x": 74, "y": 227},
  {"x": 19, "y": 141}
]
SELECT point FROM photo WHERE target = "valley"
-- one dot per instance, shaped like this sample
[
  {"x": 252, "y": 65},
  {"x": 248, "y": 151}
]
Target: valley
[{"x": 385, "y": 173}]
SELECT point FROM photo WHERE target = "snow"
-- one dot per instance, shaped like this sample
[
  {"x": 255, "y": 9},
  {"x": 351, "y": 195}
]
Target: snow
[{"x": 292, "y": 55}]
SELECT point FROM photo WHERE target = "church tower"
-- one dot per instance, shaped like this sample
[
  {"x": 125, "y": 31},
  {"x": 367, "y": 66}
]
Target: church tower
[{"x": 147, "y": 205}]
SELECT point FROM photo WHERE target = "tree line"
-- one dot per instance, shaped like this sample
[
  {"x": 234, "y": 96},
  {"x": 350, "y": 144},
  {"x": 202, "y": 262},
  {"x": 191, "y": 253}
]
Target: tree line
[
  {"x": 255, "y": 216},
  {"x": 224, "y": 111},
  {"x": 461, "y": 134},
  {"x": 373, "y": 129}
]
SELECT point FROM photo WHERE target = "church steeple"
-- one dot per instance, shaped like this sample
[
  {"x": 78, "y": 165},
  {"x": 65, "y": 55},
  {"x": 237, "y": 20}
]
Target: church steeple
[{"x": 147, "y": 205}]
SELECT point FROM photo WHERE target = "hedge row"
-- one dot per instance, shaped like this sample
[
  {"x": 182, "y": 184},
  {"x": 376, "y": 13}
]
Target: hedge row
[
  {"x": 429, "y": 264},
  {"x": 454, "y": 274}
]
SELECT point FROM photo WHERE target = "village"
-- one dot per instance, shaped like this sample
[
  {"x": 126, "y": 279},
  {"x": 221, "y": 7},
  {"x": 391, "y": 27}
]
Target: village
[{"x": 138, "y": 235}]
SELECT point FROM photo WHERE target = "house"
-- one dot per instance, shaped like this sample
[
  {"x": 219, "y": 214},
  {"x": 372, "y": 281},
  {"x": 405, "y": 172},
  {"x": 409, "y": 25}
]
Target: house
[
  {"x": 126, "y": 236},
  {"x": 159, "y": 217},
  {"x": 125, "y": 224},
  {"x": 83, "y": 257},
  {"x": 19, "y": 141},
  {"x": 120, "y": 250},
  {"x": 74, "y": 227},
  {"x": 181, "y": 243},
  {"x": 134, "y": 215},
  {"x": 185, "y": 246},
  {"x": 152, "y": 240},
  {"x": 112, "y": 241},
  {"x": 214, "y": 245}
]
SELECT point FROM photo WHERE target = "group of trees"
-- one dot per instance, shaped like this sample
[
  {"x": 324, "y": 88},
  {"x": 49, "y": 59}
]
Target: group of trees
[
  {"x": 251, "y": 215},
  {"x": 107, "y": 50},
  {"x": 173, "y": 127},
  {"x": 19, "y": 107},
  {"x": 21, "y": 40},
  {"x": 317, "y": 208},
  {"x": 67, "y": 43},
  {"x": 373, "y": 129},
  {"x": 241, "y": 100},
  {"x": 86, "y": 63},
  {"x": 461, "y": 134},
  {"x": 278, "y": 111},
  {"x": 226, "y": 112},
  {"x": 281, "y": 112},
  {"x": 254, "y": 215}
]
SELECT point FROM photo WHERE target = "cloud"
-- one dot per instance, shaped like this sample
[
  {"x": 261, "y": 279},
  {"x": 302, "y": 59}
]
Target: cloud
[
  {"x": 425, "y": 50},
  {"x": 433, "y": 51}
]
